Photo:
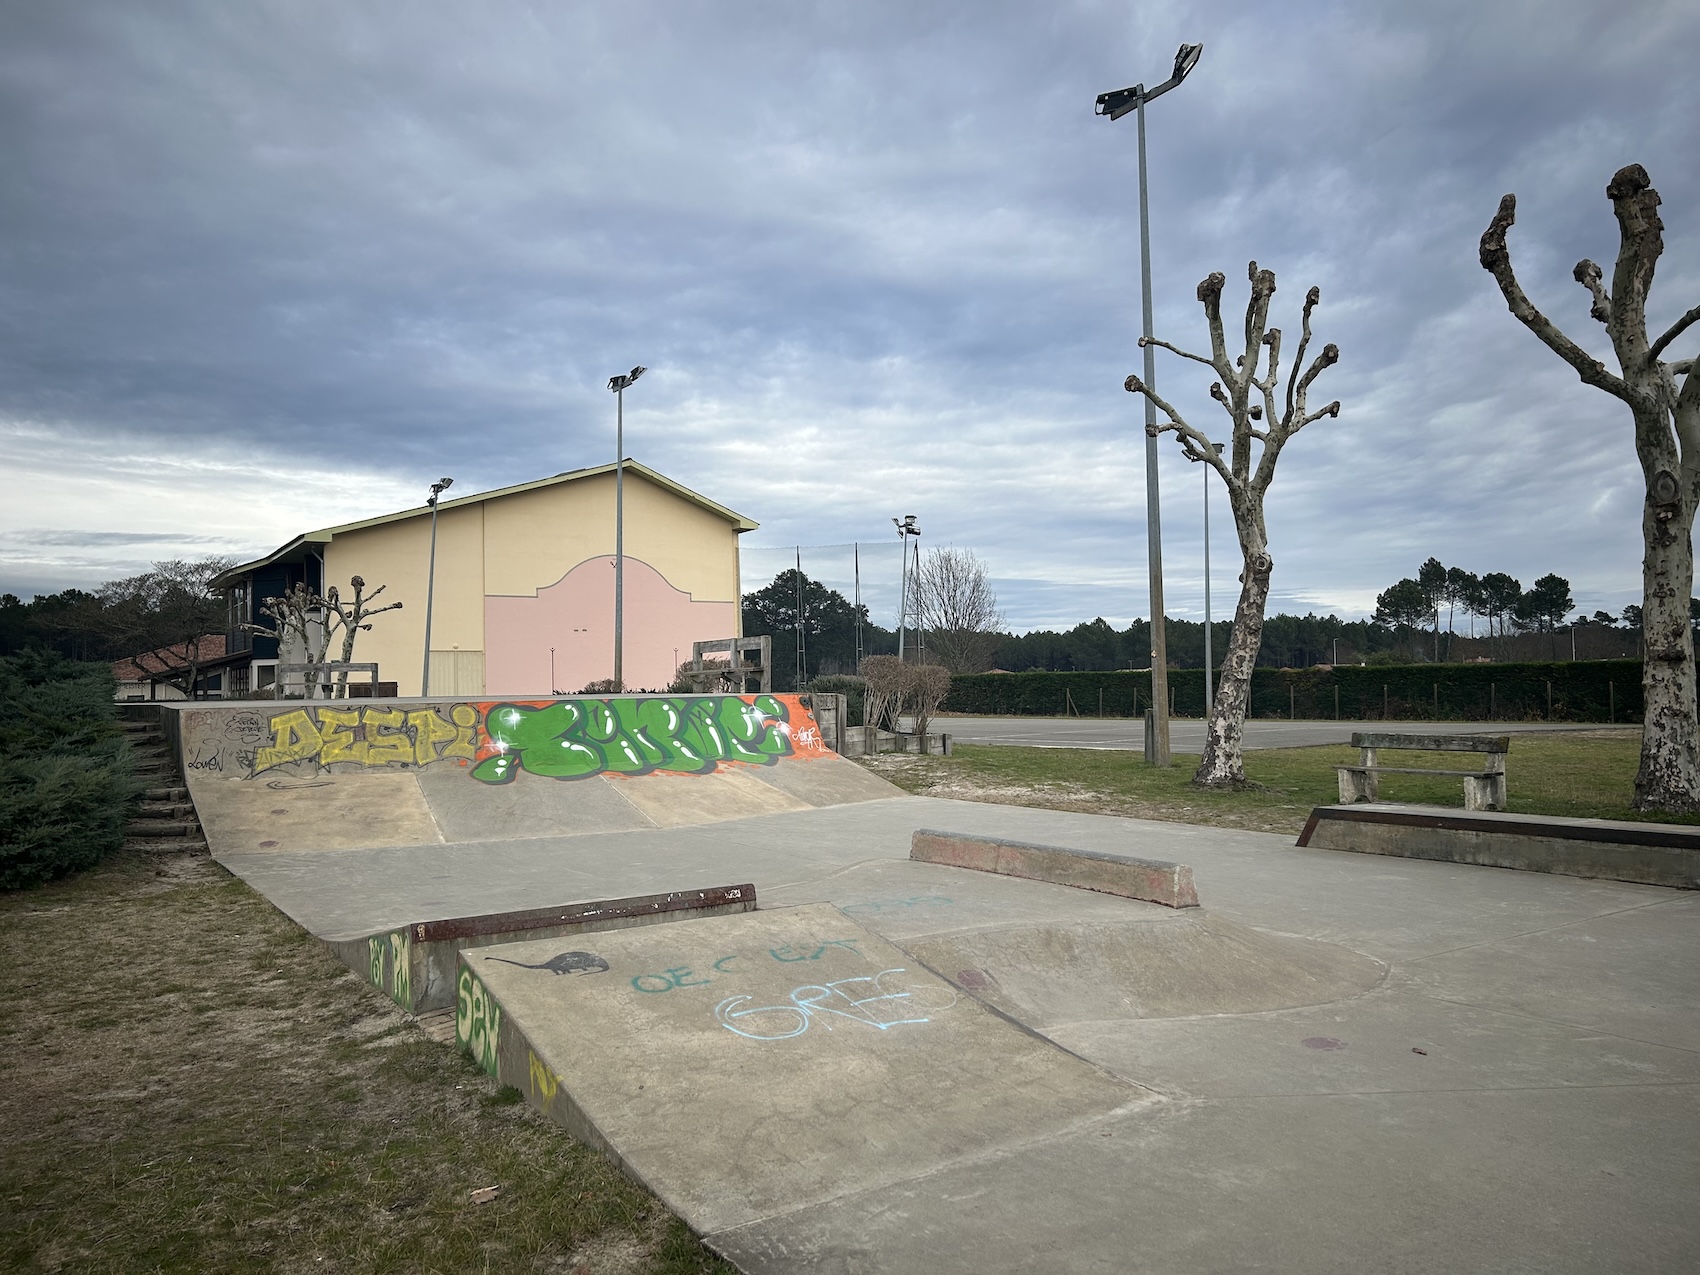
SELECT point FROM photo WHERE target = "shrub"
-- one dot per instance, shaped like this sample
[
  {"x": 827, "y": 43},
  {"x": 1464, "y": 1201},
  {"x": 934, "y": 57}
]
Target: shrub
[{"x": 66, "y": 785}]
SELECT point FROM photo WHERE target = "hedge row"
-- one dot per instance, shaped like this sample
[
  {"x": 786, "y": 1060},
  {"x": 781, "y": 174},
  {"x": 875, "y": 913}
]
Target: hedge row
[
  {"x": 1566, "y": 691},
  {"x": 67, "y": 787}
]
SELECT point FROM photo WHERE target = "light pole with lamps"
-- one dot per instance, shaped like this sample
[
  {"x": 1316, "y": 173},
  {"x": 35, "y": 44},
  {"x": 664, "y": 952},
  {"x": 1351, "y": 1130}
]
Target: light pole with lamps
[
  {"x": 906, "y": 527},
  {"x": 1115, "y": 105},
  {"x": 619, "y": 384},
  {"x": 437, "y": 489}
]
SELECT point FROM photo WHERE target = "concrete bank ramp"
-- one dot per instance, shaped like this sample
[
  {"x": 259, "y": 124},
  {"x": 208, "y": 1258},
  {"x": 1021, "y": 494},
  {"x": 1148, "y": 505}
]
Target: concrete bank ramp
[
  {"x": 756, "y": 1066},
  {"x": 1049, "y": 955},
  {"x": 351, "y": 775}
]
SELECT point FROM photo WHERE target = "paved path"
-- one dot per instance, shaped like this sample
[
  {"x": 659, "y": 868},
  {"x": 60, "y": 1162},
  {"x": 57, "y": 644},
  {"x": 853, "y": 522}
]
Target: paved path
[{"x": 1186, "y": 735}]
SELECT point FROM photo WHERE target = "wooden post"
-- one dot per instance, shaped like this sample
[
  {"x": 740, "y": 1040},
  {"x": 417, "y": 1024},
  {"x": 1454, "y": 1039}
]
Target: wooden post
[
  {"x": 1549, "y": 699},
  {"x": 1384, "y": 701},
  {"x": 1492, "y": 691},
  {"x": 1336, "y": 701},
  {"x": 1100, "y": 701},
  {"x": 1292, "y": 712},
  {"x": 1437, "y": 701},
  {"x": 1611, "y": 702}
]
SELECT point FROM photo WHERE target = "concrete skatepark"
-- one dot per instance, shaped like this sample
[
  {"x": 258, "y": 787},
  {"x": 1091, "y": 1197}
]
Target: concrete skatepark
[{"x": 1335, "y": 1062}]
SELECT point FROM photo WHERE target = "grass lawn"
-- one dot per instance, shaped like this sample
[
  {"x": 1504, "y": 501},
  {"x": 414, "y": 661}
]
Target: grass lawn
[
  {"x": 190, "y": 1083},
  {"x": 1585, "y": 773}
]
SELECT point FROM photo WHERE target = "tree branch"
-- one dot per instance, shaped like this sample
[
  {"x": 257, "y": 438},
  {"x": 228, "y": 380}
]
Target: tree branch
[
  {"x": 1311, "y": 299},
  {"x": 1210, "y": 293},
  {"x": 1193, "y": 442},
  {"x": 1496, "y": 260},
  {"x": 1164, "y": 345},
  {"x": 1671, "y": 333},
  {"x": 1588, "y": 275}
]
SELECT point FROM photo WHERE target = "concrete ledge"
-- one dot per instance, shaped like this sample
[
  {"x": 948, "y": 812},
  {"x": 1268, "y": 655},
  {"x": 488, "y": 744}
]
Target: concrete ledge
[
  {"x": 415, "y": 964},
  {"x": 1154, "y": 882},
  {"x": 1646, "y": 853}
]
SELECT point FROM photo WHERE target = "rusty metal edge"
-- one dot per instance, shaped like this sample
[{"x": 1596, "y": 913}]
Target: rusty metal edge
[
  {"x": 465, "y": 927},
  {"x": 1688, "y": 838}
]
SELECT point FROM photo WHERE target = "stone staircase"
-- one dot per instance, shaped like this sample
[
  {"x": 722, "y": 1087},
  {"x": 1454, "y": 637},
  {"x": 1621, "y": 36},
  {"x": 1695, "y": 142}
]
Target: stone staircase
[{"x": 165, "y": 821}]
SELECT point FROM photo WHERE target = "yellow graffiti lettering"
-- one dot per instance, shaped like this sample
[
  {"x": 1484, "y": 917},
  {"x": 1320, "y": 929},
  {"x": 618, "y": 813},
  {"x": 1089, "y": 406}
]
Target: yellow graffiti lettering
[
  {"x": 429, "y": 730},
  {"x": 386, "y": 745},
  {"x": 294, "y": 738},
  {"x": 544, "y": 1082},
  {"x": 478, "y": 1020},
  {"x": 401, "y": 969},
  {"x": 336, "y": 735},
  {"x": 466, "y": 733},
  {"x": 375, "y": 961}
]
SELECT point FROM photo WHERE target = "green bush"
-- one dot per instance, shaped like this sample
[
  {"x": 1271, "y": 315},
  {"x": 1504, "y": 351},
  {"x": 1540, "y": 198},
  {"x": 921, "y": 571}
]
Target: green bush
[
  {"x": 66, "y": 784},
  {"x": 852, "y": 688}
]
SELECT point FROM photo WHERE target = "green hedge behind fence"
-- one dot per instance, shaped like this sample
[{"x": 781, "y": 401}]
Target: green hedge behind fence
[{"x": 1564, "y": 691}]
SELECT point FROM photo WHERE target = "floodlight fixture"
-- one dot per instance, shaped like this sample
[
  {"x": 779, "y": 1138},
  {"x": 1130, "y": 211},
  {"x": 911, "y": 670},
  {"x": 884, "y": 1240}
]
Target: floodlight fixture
[{"x": 618, "y": 383}]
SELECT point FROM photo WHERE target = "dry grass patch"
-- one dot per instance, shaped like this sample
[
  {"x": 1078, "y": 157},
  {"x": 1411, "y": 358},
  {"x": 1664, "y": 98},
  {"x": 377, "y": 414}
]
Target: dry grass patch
[{"x": 191, "y": 1083}]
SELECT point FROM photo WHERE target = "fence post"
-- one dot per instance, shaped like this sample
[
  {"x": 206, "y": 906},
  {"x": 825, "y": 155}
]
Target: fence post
[
  {"x": 1493, "y": 690},
  {"x": 1100, "y": 701},
  {"x": 1292, "y": 711},
  {"x": 1611, "y": 702},
  {"x": 1336, "y": 701},
  {"x": 1437, "y": 701},
  {"x": 1384, "y": 701},
  {"x": 1549, "y": 699}
]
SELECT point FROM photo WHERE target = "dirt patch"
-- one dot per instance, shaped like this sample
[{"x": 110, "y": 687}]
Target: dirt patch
[{"x": 192, "y": 1083}]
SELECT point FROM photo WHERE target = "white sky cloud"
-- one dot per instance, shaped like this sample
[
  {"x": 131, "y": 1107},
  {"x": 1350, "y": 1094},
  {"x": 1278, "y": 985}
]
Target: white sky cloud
[{"x": 271, "y": 266}]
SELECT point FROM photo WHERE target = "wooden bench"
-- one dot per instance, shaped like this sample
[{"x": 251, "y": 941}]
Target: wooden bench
[{"x": 1483, "y": 789}]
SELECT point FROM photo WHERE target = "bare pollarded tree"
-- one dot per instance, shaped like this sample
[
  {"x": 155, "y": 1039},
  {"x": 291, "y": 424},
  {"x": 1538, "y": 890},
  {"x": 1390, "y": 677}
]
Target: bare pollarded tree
[
  {"x": 957, "y": 609},
  {"x": 1667, "y": 442},
  {"x": 1246, "y": 472}
]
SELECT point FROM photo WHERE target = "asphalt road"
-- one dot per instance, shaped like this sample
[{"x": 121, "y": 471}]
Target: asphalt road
[{"x": 1186, "y": 735}]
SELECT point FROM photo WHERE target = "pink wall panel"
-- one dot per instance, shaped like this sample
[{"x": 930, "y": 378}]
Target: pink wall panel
[{"x": 575, "y": 616}]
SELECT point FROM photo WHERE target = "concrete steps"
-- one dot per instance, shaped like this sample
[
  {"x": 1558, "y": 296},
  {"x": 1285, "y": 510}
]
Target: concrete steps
[{"x": 165, "y": 821}]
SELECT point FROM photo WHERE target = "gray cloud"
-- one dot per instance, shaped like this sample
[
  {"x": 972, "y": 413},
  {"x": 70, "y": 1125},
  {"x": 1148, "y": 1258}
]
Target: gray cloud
[{"x": 881, "y": 259}]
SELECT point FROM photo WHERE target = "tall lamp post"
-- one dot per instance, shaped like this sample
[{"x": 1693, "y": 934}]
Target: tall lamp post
[
  {"x": 437, "y": 489},
  {"x": 619, "y": 384},
  {"x": 1209, "y": 699},
  {"x": 906, "y": 527},
  {"x": 1115, "y": 105}
]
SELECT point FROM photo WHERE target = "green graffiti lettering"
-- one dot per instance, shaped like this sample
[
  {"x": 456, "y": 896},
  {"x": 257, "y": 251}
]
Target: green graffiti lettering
[
  {"x": 478, "y": 1020},
  {"x": 575, "y": 739}
]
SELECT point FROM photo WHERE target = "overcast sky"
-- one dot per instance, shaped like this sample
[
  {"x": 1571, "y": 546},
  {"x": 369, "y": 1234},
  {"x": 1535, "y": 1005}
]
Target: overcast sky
[{"x": 266, "y": 267}]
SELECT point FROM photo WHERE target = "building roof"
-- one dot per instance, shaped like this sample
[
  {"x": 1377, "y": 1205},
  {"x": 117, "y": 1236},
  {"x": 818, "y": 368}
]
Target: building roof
[
  {"x": 739, "y": 523},
  {"x": 170, "y": 659}
]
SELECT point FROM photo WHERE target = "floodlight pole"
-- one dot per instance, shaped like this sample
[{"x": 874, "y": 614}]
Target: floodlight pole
[
  {"x": 618, "y": 384},
  {"x": 905, "y": 528},
  {"x": 1115, "y": 105},
  {"x": 437, "y": 489}
]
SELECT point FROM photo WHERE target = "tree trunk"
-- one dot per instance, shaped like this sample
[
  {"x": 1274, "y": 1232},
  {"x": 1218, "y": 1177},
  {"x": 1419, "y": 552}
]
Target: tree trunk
[
  {"x": 1670, "y": 753},
  {"x": 1223, "y": 765}
]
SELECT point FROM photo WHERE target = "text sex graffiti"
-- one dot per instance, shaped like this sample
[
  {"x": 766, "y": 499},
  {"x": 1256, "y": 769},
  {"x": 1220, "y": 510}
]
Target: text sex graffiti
[
  {"x": 370, "y": 736},
  {"x": 688, "y": 735},
  {"x": 891, "y": 998},
  {"x": 390, "y": 965},
  {"x": 478, "y": 1020}
]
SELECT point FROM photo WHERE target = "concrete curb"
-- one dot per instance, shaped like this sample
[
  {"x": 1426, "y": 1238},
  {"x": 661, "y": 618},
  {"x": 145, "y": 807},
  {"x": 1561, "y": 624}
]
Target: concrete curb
[
  {"x": 1146, "y": 879},
  {"x": 1644, "y": 853}
]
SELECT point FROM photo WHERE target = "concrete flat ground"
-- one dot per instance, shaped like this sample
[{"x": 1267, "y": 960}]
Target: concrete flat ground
[
  {"x": 1338, "y": 1063},
  {"x": 1186, "y": 735}
]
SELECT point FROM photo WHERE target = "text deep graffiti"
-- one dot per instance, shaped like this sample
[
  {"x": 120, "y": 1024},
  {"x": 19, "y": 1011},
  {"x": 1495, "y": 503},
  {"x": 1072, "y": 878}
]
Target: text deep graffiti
[
  {"x": 369, "y": 736},
  {"x": 881, "y": 1001},
  {"x": 478, "y": 1020},
  {"x": 578, "y": 738}
]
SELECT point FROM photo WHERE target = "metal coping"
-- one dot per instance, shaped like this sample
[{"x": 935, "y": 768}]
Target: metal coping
[
  {"x": 466, "y": 927},
  {"x": 1667, "y": 836}
]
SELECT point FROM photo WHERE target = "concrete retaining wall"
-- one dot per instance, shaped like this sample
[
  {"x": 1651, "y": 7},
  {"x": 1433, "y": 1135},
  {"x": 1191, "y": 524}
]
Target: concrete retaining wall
[
  {"x": 1648, "y": 853},
  {"x": 415, "y": 965},
  {"x": 1153, "y": 881}
]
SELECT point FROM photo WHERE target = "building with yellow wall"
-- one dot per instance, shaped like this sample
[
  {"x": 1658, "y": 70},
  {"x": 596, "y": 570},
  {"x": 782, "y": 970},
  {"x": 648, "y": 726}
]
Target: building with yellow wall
[{"x": 524, "y": 592}]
